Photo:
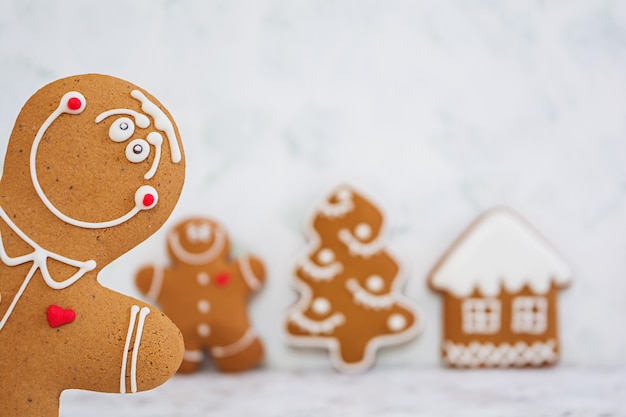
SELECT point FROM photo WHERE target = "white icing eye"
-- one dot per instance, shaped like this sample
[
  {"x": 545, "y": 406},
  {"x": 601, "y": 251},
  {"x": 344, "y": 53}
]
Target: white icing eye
[
  {"x": 137, "y": 150},
  {"x": 363, "y": 231},
  {"x": 325, "y": 256},
  {"x": 374, "y": 283},
  {"x": 121, "y": 129}
]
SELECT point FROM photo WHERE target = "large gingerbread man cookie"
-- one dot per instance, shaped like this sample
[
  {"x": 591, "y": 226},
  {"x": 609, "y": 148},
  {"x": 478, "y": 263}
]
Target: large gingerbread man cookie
[
  {"x": 94, "y": 166},
  {"x": 205, "y": 293},
  {"x": 349, "y": 285}
]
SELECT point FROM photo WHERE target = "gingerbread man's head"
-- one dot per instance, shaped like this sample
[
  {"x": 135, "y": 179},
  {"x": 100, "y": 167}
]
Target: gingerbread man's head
[
  {"x": 198, "y": 241},
  {"x": 94, "y": 166}
]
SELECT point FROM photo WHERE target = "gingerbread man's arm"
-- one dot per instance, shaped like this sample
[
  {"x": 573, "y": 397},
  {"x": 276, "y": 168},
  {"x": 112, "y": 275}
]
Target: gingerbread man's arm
[
  {"x": 252, "y": 270},
  {"x": 149, "y": 281}
]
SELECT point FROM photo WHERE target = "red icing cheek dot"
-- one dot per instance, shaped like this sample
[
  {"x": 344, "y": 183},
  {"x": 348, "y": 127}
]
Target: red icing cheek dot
[
  {"x": 74, "y": 103},
  {"x": 148, "y": 200}
]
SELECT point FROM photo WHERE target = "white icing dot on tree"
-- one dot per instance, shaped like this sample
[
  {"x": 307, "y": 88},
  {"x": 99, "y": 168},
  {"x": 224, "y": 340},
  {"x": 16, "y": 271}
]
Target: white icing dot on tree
[
  {"x": 325, "y": 256},
  {"x": 321, "y": 306},
  {"x": 363, "y": 231},
  {"x": 203, "y": 278},
  {"x": 396, "y": 322},
  {"x": 375, "y": 283}
]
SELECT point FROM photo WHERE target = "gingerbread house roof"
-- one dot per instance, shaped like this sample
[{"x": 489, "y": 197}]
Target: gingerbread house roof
[{"x": 499, "y": 249}]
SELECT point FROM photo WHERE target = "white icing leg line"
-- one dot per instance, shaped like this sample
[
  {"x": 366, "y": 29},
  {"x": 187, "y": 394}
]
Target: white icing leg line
[
  {"x": 134, "y": 311},
  {"x": 155, "y": 284},
  {"x": 234, "y": 348},
  {"x": 248, "y": 275},
  {"x": 193, "y": 356},
  {"x": 133, "y": 366}
]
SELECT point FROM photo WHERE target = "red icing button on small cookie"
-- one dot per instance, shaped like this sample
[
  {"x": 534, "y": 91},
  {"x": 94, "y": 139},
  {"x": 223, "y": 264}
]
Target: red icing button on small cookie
[
  {"x": 74, "y": 103},
  {"x": 222, "y": 278},
  {"x": 58, "y": 316}
]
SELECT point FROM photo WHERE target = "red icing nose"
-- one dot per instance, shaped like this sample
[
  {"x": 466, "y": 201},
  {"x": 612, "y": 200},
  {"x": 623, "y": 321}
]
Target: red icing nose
[
  {"x": 148, "y": 200},
  {"x": 74, "y": 103}
]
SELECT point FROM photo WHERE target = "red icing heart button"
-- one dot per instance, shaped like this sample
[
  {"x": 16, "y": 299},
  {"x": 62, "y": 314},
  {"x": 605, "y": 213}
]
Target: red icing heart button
[
  {"x": 58, "y": 316},
  {"x": 222, "y": 278}
]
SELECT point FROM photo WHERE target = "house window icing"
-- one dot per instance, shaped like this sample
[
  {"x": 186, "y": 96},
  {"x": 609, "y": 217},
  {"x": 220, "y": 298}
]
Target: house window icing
[
  {"x": 481, "y": 315},
  {"x": 529, "y": 315}
]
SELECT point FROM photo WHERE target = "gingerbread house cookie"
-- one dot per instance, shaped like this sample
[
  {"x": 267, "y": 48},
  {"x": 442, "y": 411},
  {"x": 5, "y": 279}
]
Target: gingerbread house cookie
[
  {"x": 349, "y": 285},
  {"x": 94, "y": 166},
  {"x": 205, "y": 292},
  {"x": 499, "y": 282}
]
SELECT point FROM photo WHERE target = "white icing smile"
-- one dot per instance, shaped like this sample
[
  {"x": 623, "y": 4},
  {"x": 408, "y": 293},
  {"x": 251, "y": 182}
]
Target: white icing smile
[
  {"x": 199, "y": 258},
  {"x": 121, "y": 130}
]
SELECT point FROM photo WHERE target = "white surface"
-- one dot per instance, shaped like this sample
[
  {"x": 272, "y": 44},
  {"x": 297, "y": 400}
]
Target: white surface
[
  {"x": 438, "y": 108},
  {"x": 390, "y": 393}
]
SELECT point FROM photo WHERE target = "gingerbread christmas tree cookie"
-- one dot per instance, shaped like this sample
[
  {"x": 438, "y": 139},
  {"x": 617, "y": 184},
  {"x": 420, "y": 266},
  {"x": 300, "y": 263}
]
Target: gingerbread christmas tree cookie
[
  {"x": 205, "y": 292},
  {"x": 499, "y": 282},
  {"x": 349, "y": 285},
  {"x": 93, "y": 167}
]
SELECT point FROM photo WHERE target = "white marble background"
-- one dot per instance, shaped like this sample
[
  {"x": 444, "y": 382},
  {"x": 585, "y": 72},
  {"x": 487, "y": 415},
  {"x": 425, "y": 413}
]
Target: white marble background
[{"x": 440, "y": 109}]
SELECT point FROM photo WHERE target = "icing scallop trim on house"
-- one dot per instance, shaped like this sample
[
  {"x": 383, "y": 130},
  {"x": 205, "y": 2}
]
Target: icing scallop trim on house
[{"x": 500, "y": 249}]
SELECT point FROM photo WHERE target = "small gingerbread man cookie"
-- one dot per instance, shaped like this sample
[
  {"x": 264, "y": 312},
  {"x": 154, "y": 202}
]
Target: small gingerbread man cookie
[
  {"x": 94, "y": 166},
  {"x": 205, "y": 293}
]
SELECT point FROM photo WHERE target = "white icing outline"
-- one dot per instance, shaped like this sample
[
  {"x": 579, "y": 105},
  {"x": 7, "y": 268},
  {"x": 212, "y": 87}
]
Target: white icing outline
[
  {"x": 320, "y": 273},
  {"x": 248, "y": 275},
  {"x": 236, "y": 347},
  {"x": 357, "y": 247},
  {"x": 363, "y": 297},
  {"x": 39, "y": 257},
  {"x": 200, "y": 258},
  {"x": 134, "y": 312},
  {"x": 61, "y": 109}
]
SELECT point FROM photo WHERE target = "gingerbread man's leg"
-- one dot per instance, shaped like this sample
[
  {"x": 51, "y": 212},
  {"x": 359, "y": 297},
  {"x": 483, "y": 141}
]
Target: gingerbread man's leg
[{"x": 245, "y": 353}]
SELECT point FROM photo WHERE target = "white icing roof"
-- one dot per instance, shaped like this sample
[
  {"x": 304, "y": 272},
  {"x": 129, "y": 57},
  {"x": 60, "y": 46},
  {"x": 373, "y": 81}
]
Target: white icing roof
[{"x": 500, "y": 248}]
